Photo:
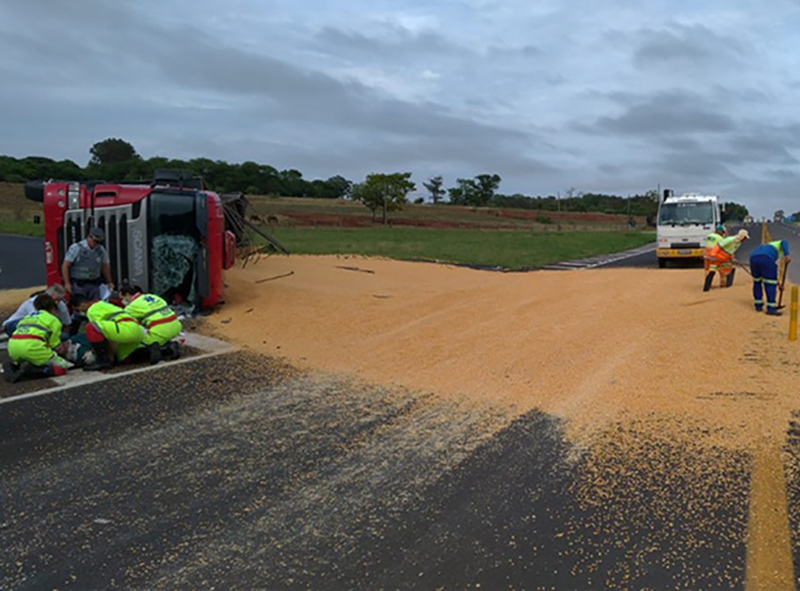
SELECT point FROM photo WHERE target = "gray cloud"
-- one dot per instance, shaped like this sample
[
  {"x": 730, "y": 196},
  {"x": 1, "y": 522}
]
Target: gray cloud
[
  {"x": 392, "y": 42},
  {"x": 668, "y": 113},
  {"x": 693, "y": 47},
  {"x": 548, "y": 95}
]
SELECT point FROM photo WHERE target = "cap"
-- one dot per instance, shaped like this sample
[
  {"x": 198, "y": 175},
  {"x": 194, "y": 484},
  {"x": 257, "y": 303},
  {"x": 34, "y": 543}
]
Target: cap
[
  {"x": 97, "y": 234},
  {"x": 720, "y": 228},
  {"x": 742, "y": 235}
]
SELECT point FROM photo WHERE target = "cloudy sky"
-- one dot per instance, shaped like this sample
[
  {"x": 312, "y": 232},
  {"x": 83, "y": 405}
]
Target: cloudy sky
[{"x": 615, "y": 96}]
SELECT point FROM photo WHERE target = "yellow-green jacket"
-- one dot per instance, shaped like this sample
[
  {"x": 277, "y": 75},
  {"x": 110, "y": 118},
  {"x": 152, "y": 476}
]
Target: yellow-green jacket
[
  {"x": 155, "y": 314},
  {"x": 34, "y": 339},
  {"x": 712, "y": 239}
]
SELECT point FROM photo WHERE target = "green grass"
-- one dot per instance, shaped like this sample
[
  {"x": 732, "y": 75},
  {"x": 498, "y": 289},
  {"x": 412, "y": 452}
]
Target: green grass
[
  {"x": 21, "y": 228},
  {"x": 507, "y": 249}
]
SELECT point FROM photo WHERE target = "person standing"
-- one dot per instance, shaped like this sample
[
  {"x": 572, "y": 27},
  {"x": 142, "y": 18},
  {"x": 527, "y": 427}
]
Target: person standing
[
  {"x": 764, "y": 262},
  {"x": 86, "y": 265},
  {"x": 712, "y": 240},
  {"x": 33, "y": 345}
]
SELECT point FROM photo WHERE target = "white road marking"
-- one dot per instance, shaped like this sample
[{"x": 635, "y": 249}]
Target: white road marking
[
  {"x": 594, "y": 262},
  {"x": 77, "y": 378}
]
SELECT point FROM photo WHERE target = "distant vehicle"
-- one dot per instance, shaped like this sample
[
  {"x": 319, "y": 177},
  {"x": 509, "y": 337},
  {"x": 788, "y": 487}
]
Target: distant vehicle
[
  {"x": 167, "y": 235},
  {"x": 748, "y": 220},
  {"x": 683, "y": 224}
]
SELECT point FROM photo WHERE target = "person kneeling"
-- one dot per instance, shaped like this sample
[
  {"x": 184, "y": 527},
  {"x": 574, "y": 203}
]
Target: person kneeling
[
  {"x": 111, "y": 331},
  {"x": 159, "y": 320},
  {"x": 32, "y": 347}
]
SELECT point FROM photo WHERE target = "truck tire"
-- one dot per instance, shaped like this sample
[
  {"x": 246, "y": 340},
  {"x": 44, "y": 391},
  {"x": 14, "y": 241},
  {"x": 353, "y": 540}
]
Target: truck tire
[{"x": 662, "y": 263}]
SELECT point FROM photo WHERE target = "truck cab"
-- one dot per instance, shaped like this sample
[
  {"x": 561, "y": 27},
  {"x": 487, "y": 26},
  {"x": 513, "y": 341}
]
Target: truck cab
[
  {"x": 683, "y": 223},
  {"x": 167, "y": 236}
]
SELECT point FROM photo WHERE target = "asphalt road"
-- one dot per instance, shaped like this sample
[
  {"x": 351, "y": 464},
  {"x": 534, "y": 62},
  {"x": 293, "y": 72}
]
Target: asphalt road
[
  {"x": 777, "y": 231},
  {"x": 240, "y": 473},
  {"x": 21, "y": 262}
]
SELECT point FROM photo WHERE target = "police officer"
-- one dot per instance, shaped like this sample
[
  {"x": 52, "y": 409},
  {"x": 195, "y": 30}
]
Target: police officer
[{"x": 85, "y": 266}]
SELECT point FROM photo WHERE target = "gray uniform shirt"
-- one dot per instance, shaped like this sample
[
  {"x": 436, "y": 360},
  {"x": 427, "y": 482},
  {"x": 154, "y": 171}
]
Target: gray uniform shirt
[{"x": 86, "y": 263}]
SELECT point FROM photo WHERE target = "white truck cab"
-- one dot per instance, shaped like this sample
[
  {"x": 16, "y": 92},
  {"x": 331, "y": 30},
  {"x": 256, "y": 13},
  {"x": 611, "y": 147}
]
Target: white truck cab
[{"x": 683, "y": 224}]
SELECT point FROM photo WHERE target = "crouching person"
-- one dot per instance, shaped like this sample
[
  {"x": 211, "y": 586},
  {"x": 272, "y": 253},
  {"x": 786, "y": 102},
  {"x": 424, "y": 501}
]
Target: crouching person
[
  {"x": 33, "y": 343},
  {"x": 113, "y": 333},
  {"x": 159, "y": 320}
]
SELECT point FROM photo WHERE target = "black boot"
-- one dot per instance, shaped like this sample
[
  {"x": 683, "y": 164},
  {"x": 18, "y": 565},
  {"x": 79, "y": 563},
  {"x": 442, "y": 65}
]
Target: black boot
[
  {"x": 170, "y": 351},
  {"x": 13, "y": 372},
  {"x": 102, "y": 360},
  {"x": 729, "y": 280},
  {"x": 709, "y": 280},
  {"x": 154, "y": 352}
]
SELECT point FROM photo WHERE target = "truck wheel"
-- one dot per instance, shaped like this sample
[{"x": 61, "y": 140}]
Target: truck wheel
[{"x": 662, "y": 263}]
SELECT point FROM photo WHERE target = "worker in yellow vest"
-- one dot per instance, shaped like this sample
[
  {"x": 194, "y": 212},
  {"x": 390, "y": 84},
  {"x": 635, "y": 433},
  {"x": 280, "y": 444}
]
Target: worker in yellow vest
[
  {"x": 764, "y": 262},
  {"x": 721, "y": 259},
  {"x": 33, "y": 345},
  {"x": 159, "y": 320},
  {"x": 712, "y": 240},
  {"x": 110, "y": 330}
]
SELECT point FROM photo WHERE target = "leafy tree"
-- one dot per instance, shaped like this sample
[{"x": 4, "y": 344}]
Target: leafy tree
[
  {"x": 336, "y": 187},
  {"x": 462, "y": 192},
  {"x": 388, "y": 192},
  {"x": 734, "y": 211},
  {"x": 486, "y": 185},
  {"x": 477, "y": 192},
  {"x": 112, "y": 150},
  {"x": 434, "y": 185}
]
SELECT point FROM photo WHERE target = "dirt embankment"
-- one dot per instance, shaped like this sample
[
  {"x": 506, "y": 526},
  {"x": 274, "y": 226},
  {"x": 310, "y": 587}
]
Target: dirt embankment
[
  {"x": 501, "y": 219},
  {"x": 595, "y": 347}
]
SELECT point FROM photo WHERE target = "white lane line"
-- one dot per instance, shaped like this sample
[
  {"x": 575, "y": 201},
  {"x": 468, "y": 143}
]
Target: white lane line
[
  {"x": 73, "y": 380},
  {"x": 629, "y": 255}
]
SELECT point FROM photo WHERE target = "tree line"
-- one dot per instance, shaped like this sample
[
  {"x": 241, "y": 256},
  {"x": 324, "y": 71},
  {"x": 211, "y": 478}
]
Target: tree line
[{"x": 115, "y": 159}]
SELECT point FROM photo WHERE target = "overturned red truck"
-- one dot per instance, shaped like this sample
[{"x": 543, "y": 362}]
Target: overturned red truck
[{"x": 167, "y": 236}]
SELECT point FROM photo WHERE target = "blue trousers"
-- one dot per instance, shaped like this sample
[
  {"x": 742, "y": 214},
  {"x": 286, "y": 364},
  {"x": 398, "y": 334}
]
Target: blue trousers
[{"x": 765, "y": 272}]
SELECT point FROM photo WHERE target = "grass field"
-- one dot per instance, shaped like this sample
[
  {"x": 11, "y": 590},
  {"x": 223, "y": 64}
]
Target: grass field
[
  {"x": 511, "y": 239},
  {"x": 507, "y": 249},
  {"x": 21, "y": 228},
  {"x": 17, "y": 213}
]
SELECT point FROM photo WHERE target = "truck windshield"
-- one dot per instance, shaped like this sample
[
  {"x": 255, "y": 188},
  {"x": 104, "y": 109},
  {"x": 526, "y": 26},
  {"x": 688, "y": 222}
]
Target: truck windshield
[
  {"x": 174, "y": 244},
  {"x": 684, "y": 214}
]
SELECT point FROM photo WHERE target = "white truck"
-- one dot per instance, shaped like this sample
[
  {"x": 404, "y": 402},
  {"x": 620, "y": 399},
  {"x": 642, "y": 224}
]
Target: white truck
[{"x": 683, "y": 224}]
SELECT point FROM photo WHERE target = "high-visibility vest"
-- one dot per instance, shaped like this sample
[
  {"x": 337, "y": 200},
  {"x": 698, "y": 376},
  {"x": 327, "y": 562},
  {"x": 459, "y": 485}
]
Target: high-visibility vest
[
  {"x": 712, "y": 239},
  {"x": 730, "y": 245},
  {"x": 773, "y": 250},
  {"x": 101, "y": 310},
  {"x": 780, "y": 246},
  {"x": 40, "y": 326},
  {"x": 150, "y": 310}
]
